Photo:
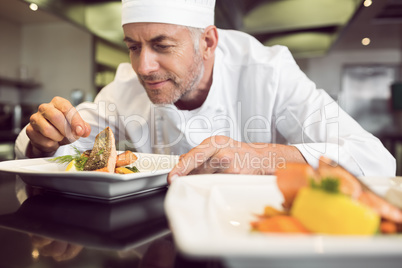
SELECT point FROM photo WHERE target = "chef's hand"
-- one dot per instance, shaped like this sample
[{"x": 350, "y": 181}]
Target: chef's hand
[
  {"x": 161, "y": 253},
  {"x": 58, "y": 250},
  {"x": 221, "y": 154},
  {"x": 56, "y": 123}
]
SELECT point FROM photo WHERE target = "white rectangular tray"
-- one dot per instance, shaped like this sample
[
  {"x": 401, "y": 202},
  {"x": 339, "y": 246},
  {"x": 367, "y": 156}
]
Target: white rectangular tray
[
  {"x": 210, "y": 215},
  {"x": 42, "y": 172}
]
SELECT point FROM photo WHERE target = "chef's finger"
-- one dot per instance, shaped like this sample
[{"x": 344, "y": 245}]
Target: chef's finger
[
  {"x": 77, "y": 124},
  {"x": 53, "y": 118},
  {"x": 34, "y": 150},
  {"x": 56, "y": 248},
  {"x": 43, "y": 145},
  {"x": 192, "y": 160},
  {"x": 39, "y": 126},
  {"x": 87, "y": 130},
  {"x": 70, "y": 253},
  {"x": 40, "y": 241},
  {"x": 218, "y": 163}
]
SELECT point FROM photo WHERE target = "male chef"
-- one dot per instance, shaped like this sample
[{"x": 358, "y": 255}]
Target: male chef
[{"x": 219, "y": 98}]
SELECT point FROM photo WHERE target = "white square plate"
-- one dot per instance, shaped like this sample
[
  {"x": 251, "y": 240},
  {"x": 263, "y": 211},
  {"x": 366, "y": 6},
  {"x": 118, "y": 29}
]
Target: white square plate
[
  {"x": 210, "y": 215},
  {"x": 42, "y": 172}
]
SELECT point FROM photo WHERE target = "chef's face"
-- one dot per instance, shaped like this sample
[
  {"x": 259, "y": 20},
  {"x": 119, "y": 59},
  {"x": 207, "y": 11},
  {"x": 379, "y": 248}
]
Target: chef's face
[{"x": 165, "y": 60}]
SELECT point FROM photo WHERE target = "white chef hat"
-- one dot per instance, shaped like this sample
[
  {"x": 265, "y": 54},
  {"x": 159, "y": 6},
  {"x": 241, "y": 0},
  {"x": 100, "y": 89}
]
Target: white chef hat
[{"x": 193, "y": 13}]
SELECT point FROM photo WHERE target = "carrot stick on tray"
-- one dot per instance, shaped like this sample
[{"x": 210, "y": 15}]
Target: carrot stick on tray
[
  {"x": 279, "y": 224},
  {"x": 125, "y": 158}
]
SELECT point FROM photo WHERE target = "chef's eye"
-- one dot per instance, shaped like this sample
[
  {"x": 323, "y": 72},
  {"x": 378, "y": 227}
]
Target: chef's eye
[
  {"x": 160, "y": 47},
  {"x": 133, "y": 48}
]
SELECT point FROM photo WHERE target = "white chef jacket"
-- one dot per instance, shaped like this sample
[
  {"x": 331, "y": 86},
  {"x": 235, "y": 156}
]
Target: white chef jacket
[{"x": 258, "y": 94}]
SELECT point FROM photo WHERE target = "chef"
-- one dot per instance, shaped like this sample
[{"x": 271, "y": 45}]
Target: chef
[{"x": 219, "y": 98}]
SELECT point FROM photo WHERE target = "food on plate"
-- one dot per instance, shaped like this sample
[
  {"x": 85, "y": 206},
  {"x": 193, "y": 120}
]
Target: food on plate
[
  {"x": 72, "y": 166},
  {"x": 328, "y": 200},
  {"x": 103, "y": 157},
  {"x": 126, "y": 170},
  {"x": 280, "y": 223},
  {"x": 350, "y": 185},
  {"x": 125, "y": 158},
  {"x": 300, "y": 175},
  {"x": 75, "y": 162},
  {"x": 394, "y": 193},
  {"x": 331, "y": 212}
]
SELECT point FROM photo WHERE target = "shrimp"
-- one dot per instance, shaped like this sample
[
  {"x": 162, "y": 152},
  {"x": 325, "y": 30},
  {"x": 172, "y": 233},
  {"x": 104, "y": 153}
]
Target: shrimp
[
  {"x": 296, "y": 175},
  {"x": 351, "y": 185},
  {"x": 292, "y": 178}
]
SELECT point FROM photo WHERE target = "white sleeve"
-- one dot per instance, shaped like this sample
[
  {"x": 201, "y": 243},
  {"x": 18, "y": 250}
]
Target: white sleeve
[
  {"x": 21, "y": 144},
  {"x": 315, "y": 124}
]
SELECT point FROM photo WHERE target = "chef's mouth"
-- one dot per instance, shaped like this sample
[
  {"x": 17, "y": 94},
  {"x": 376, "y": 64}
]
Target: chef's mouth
[{"x": 155, "y": 84}]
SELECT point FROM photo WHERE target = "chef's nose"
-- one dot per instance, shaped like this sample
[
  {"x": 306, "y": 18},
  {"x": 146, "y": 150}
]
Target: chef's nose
[{"x": 147, "y": 62}]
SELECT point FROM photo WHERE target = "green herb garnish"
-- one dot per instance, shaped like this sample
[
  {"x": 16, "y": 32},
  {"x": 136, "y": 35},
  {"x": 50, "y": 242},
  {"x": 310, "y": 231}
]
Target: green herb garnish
[
  {"x": 80, "y": 162},
  {"x": 330, "y": 185},
  {"x": 79, "y": 159},
  {"x": 133, "y": 169}
]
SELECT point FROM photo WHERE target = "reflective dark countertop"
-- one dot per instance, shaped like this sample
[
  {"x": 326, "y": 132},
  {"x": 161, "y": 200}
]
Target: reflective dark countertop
[{"x": 43, "y": 229}]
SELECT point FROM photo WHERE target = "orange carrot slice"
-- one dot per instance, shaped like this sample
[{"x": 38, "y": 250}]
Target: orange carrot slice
[
  {"x": 125, "y": 158},
  {"x": 271, "y": 211},
  {"x": 291, "y": 178},
  {"x": 123, "y": 170},
  {"x": 388, "y": 227},
  {"x": 279, "y": 224}
]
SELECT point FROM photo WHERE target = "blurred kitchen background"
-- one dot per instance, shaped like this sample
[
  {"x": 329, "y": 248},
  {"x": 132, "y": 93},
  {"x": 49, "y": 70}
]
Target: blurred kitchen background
[{"x": 71, "y": 48}]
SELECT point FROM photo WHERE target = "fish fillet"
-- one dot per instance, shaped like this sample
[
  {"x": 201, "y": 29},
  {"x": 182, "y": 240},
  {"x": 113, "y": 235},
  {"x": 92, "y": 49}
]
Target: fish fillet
[{"x": 103, "y": 155}]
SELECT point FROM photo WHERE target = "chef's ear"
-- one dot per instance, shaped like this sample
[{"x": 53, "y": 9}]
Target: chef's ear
[{"x": 209, "y": 42}]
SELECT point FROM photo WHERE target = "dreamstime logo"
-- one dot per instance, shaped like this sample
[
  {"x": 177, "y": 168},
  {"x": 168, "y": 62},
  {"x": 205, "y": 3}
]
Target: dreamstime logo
[
  {"x": 153, "y": 163},
  {"x": 314, "y": 135},
  {"x": 320, "y": 132},
  {"x": 236, "y": 163}
]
